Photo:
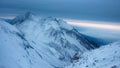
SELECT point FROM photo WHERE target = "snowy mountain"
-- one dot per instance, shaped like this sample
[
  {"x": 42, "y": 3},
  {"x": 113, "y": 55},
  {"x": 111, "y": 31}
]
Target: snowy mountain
[
  {"x": 104, "y": 57},
  {"x": 15, "y": 51},
  {"x": 34, "y": 42}
]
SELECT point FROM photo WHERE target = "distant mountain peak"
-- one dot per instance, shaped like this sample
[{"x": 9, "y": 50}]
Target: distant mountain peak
[{"x": 21, "y": 18}]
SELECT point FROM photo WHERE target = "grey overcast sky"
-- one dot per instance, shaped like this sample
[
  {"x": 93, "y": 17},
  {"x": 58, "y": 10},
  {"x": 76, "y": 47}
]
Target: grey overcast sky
[{"x": 107, "y": 10}]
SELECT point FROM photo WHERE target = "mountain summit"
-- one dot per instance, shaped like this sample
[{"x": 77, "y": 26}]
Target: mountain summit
[
  {"x": 22, "y": 18},
  {"x": 48, "y": 40}
]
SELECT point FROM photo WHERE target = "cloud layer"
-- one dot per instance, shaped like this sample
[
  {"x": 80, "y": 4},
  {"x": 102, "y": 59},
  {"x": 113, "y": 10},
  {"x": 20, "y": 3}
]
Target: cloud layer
[{"x": 77, "y": 9}]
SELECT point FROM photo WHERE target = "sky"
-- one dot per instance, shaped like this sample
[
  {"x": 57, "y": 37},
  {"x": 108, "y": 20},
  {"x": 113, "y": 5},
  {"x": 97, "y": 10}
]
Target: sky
[
  {"x": 101, "y": 10},
  {"x": 98, "y": 18}
]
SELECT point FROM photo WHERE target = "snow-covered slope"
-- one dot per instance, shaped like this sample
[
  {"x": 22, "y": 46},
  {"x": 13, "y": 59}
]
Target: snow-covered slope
[
  {"x": 33, "y": 42},
  {"x": 55, "y": 33},
  {"x": 105, "y": 57},
  {"x": 15, "y": 51}
]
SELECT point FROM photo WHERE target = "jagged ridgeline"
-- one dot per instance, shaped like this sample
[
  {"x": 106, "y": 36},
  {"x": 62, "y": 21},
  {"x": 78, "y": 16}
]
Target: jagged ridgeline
[{"x": 48, "y": 42}]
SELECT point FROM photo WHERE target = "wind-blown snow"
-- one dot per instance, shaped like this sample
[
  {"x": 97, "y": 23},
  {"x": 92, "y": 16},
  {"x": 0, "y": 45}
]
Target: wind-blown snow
[
  {"x": 105, "y": 57},
  {"x": 33, "y": 42}
]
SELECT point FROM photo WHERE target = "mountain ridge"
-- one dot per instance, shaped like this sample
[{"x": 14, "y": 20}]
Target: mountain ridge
[{"x": 49, "y": 40}]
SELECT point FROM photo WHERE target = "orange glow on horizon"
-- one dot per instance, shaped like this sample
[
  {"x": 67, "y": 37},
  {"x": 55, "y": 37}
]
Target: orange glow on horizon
[
  {"x": 93, "y": 24},
  {"x": 7, "y": 17}
]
